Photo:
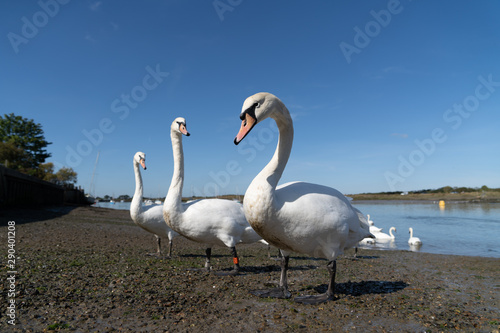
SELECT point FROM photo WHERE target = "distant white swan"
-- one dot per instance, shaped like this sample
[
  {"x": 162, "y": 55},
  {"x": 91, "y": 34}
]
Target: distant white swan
[
  {"x": 148, "y": 218},
  {"x": 373, "y": 228},
  {"x": 380, "y": 236},
  {"x": 213, "y": 222},
  {"x": 296, "y": 217},
  {"x": 414, "y": 240}
]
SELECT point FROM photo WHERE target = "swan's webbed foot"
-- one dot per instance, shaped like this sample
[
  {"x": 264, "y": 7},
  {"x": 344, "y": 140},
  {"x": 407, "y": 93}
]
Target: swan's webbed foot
[
  {"x": 279, "y": 292},
  {"x": 330, "y": 293},
  {"x": 314, "y": 299}
]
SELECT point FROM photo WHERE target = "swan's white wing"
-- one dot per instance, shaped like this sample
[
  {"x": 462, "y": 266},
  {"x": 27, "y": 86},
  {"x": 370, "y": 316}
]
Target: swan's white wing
[
  {"x": 316, "y": 220},
  {"x": 151, "y": 219},
  {"x": 216, "y": 221}
]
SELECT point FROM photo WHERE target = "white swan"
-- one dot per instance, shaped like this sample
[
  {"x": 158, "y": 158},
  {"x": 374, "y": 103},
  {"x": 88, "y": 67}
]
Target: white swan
[
  {"x": 373, "y": 228},
  {"x": 296, "y": 217},
  {"x": 149, "y": 218},
  {"x": 214, "y": 222},
  {"x": 380, "y": 236},
  {"x": 414, "y": 240}
]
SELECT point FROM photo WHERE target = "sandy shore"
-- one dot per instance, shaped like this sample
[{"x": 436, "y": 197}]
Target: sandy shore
[{"x": 86, "y": 270}]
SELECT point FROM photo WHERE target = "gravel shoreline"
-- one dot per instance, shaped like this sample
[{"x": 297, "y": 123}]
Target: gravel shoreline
[{"x": 86, "y": 269}]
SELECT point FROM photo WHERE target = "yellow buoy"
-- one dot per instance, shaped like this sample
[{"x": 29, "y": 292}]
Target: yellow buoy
[{"x": 441, "y": 203}]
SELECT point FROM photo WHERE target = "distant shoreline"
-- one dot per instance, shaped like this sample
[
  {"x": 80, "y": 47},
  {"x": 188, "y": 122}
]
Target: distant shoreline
[{"x": 471, "y": 197}]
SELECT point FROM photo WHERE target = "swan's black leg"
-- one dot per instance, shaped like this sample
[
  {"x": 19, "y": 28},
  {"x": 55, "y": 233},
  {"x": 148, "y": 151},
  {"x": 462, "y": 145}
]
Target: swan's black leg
[
  {"x": 170, "y": 245},
  {"x": 208, "y": 252},
  {"x": 282, "y": 290},
  {"x": 158, "y": 243},
  {"x": 158, "y": 248},
  {"x": 236, "y": 262},
  {"x": 284, "y": 271},
  {"x": 207, "y": 268},
  {"x": 329, "y": 295},
  {"x": 332, "y": 269},
  {"x": 278, "y": 257}
]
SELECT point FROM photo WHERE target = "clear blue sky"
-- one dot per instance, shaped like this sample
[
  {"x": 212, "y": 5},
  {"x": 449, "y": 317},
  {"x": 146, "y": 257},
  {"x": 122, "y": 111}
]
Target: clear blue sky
[{"x": 385, "y": 95}]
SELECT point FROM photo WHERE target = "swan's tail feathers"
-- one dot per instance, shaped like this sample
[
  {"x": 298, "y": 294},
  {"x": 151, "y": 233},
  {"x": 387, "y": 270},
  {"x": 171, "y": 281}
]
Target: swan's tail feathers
[
  {"x": 263, "y": 242},
  {"x": 250, "y": 236}
]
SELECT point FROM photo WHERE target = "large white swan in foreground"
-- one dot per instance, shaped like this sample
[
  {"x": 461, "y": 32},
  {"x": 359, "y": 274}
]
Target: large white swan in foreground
[
  {"x": 149, "y": 218},
  {"x": 296, "y": 217},
  {"x": 414, "y": 240},
  {"x": 213, "y": 222}
]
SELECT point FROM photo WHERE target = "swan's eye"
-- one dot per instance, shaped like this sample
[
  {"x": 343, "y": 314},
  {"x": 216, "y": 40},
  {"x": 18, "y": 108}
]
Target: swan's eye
[{"x": 181, "y": 125}]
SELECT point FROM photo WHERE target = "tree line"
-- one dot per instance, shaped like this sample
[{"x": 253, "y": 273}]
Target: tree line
[{"x": 23, "y": 148}]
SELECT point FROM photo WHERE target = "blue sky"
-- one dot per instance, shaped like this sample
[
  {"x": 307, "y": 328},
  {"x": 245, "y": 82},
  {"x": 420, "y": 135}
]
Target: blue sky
[{"x": 385, "y": 95}]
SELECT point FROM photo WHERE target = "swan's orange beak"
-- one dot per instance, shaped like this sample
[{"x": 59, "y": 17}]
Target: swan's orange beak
[
  {"x": 143, "y": 164},
  {"x": 183, "y": 130},
  {"x": 247, "y": 123}
]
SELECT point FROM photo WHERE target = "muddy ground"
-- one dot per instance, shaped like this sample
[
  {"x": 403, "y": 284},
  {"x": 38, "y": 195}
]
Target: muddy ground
[{"x": 86, "y": 269}]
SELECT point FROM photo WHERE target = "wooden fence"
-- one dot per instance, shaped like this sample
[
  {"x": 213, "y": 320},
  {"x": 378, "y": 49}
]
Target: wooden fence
[{"x": 19, "y": 189}]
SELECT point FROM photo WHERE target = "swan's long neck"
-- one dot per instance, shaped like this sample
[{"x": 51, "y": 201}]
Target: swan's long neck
[
  {"x": 274, "y": 169},
  {"x": 135, "y": 205},
  {"x": 174, "y": 195}
]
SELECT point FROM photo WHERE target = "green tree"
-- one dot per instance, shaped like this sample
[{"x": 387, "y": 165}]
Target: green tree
[
  {"x": 12, "y": 156},
  {"x": 66, "y": 176},
  {"x": 47, "y": 172},
  {"x": 17, "y": 133}
]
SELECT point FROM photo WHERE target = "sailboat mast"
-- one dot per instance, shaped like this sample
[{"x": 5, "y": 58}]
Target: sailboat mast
[{"x": 92, "y": 186}]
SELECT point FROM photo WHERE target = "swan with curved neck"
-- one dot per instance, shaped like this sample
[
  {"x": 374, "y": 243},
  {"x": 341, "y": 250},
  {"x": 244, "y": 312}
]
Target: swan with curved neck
[
  {"x": 414, "y": 240},
  {"x": 296, "y": 217},
  {"x": 148, "y": 218},
  {"x": 380, "y": 236},
  {"x": 214, "y": 222}
]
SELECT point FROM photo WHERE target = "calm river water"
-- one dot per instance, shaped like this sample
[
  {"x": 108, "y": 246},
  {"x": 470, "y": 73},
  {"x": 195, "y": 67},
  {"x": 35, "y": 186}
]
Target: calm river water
[{"x": 470, "y": 229}]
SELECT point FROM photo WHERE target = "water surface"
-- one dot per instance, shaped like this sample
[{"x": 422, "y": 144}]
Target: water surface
[{"x": 471, "y": 229}]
